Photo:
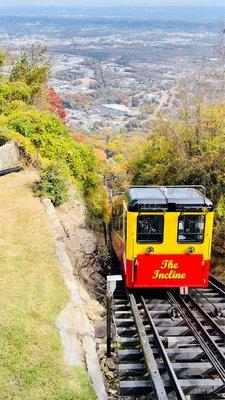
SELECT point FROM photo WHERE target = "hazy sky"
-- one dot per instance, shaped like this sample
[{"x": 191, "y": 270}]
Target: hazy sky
[{"x": 112, "y": 2}]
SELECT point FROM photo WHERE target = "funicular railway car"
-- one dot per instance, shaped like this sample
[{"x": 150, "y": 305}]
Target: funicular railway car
[{"x": 162, "y": 236}]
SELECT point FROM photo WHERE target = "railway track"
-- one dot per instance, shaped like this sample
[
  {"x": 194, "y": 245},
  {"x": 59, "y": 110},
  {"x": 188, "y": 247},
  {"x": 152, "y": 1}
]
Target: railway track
[{"x": 172, "y": 346}]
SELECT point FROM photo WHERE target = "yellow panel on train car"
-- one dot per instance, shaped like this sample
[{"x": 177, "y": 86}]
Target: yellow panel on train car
[{"x": 162, "y": 236}]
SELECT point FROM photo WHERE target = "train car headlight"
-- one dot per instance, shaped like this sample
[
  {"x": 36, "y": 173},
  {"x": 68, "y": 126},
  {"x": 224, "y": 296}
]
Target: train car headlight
[
  {"x": 150, "y": 250},
  {"x": 190, "y": 250}
]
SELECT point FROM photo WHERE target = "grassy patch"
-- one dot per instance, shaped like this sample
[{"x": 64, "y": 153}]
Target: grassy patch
[{"x": 32, "y": 294}]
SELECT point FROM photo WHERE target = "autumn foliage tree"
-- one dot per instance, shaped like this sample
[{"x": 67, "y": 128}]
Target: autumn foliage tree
[
  {"x": 56, "y": 105},
  {"x": 190, "y": 151}
]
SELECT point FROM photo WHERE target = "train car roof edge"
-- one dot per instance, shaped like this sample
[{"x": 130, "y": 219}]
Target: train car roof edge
[{"x": 166, "y": 198}]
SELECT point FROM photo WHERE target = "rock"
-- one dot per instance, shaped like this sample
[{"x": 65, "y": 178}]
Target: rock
[
  {"x": 9, "y": 155},
  {"x": 110, "y": 375},
  {"x": 102, "y": 351},
  {"x": 98, "y": 341},
  {"x": 110, "y": 364},
  {"x": 171, "y": 342},
  {"x": 100, "y": 329},
  {"x": 113, "y": 392},
  {"x": 104, "y": 368},
  {"x": 114, "y": 385},
  {"x": 118, "y": 345}
]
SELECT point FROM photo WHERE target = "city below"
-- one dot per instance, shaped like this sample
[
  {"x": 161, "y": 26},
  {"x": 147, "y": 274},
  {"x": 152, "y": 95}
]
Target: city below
[{"x": 121, "y": 71}]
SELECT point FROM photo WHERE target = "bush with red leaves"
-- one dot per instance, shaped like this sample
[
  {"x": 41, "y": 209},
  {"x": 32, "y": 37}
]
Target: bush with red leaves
[{"x": 56, "y": 105}]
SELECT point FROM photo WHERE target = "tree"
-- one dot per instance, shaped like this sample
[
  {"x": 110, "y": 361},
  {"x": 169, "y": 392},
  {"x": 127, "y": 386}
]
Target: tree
[
  {"x": 56, "y": 105},
  {"x": 190, "y": 151},
  {"x": 2, "y": 58},
  {"x": 32, "y": 68}
]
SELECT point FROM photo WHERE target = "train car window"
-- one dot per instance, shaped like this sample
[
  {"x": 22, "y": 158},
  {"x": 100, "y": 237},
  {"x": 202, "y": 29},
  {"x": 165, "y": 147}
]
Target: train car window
[
  {"x": 191, "y": 228},
  {"x": 150, "y": 228}
]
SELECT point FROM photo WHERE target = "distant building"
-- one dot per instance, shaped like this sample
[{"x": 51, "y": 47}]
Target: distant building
[{"x": 108, "y": 110}]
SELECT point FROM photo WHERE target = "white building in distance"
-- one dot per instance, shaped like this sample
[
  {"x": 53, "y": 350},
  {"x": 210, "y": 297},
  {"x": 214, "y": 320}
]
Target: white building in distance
[{"x": 114, "y": 109}]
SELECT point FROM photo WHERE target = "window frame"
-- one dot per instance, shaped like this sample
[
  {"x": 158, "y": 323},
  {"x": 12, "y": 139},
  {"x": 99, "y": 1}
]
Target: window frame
[
  {"x": 203, "y": 234},
  {"x": 146, "y": 241}
]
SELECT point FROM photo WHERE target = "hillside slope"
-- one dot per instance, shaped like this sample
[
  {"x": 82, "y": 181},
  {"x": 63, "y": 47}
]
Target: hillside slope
[{"x": 32, "y": 296}]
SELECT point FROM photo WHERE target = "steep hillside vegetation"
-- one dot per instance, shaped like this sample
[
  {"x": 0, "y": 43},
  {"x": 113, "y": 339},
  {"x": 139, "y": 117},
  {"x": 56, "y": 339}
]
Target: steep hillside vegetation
[
  {"x": 189, "y": 150},
  {"x": 185, "y": 150},
  {"x": 32, "y": 114}
]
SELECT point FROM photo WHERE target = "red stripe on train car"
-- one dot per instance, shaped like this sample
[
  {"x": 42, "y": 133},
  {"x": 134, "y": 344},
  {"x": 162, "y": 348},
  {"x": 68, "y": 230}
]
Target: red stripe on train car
[{"x": 167, "y": 271}]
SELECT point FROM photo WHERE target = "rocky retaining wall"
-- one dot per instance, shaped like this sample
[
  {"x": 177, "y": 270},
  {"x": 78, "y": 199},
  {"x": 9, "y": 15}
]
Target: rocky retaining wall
[
  {"x": 73, "y": 323},
  {"x": 9, "y": 156}
]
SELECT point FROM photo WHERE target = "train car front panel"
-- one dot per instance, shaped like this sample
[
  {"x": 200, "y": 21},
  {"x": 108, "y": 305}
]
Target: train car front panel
[
  {"x": 170, "y": 265},
  {"x": 163, "y": 248}
]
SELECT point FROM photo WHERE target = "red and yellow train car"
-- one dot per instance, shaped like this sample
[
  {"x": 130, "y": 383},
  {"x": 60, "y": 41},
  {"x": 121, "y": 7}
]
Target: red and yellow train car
[{"x": 162, "y": 236}]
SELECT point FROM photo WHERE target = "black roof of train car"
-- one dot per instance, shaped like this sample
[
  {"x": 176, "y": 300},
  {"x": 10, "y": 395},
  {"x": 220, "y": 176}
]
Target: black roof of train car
[{"x": 162, "y": 198}]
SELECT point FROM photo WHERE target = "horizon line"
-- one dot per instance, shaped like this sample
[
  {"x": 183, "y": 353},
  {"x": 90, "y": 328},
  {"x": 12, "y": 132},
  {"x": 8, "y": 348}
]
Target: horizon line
[{"x": 111, "y": 6}]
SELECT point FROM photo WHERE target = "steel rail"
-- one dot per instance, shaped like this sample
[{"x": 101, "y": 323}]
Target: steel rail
[
  {"x": 131, "y": 359},
  {"x": 176, "y": 384},
  {"x": 217, "y": 360},
  {"x": 157, "y": 382},
  {"x": 218, "y": 310},
  {"x": 216, "y": 284},
  {"x": 217, "y": 281},
  {"x": 209, "y": 318}
]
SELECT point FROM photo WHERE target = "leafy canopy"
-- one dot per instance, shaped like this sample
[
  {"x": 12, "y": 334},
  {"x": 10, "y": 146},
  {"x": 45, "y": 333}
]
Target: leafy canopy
[{"x": 189, "y": 151}]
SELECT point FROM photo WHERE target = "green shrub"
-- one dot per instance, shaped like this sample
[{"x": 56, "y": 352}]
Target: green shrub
[
  {"x": 54, "y": 142},
  {"x": 41, "y": 136},
  {"x": 19, "y": 90},
  {"x": 2, "y": 58},
  {"x": 33, "y": 68},
  {"x": 52, "y": 185}
]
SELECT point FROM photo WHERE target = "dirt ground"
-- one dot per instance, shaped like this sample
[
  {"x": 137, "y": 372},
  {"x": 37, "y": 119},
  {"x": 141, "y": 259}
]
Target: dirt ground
[{"x": 88, "y": 254}]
